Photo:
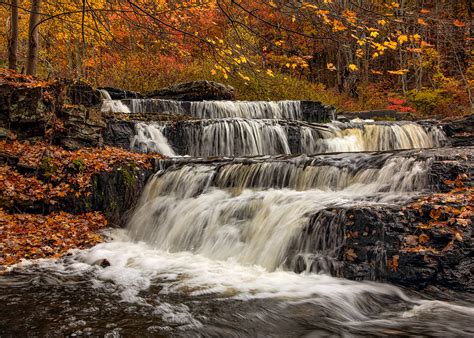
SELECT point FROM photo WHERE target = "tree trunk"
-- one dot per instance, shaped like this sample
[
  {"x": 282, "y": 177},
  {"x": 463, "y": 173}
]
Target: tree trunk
[
  {"x": 33, "y": 41},
  {"x": 13, "y": 40}
]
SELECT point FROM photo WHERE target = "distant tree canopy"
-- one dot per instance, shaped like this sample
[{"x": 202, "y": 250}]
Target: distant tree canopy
[{"x": 404, "y": 45}]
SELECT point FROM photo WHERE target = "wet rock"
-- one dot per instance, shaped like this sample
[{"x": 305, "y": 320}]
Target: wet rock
[
  {"x": 195, "y": 91},
  {"x": 114, "y": 193},
  {"x": 383, "y": 244},
  {"x": 103, "y": 263}
]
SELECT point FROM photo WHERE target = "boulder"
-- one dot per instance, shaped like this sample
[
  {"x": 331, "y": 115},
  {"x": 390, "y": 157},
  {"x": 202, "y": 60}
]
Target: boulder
[
  {"x": 195, "y": 91},
  {"x": 81, "y": 93},
  {"x": 119, "y": 133}
]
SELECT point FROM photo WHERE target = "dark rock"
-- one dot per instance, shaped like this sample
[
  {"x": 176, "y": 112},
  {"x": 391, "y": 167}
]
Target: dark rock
[
  {"x": 83, "y": 127},
  {"x": 27, "y": 108},
  {"x": 119, "y": 133},
  {"x": 195, "y": 91},
  {"x": 370, "y": 243},
  {"x": 461, "y": 131},
  {"x": 117, "y": 193},
  {"x": 103, "y": 263},
  {"x": 380, "y": 115},
  {"x": 314, "y": 111},
  {"x": 114, "y": 193},
  {"x": 81, "y": 93},
  {"x": 121, "y": 94}
]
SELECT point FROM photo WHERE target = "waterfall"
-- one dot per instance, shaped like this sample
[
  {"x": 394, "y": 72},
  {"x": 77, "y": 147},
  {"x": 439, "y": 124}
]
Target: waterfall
[
  {"x": 247, "y": 137},
  {"x": 252, "y": 213},
  {"x": 112, "y": 106},
  {"x": 105, "y": 95},
  {"x": 236, "y": 137},
  {"x": 246, "y": 109},
  {"x": 150, "y": 138},
  {"x": 370, "y": 137},
  {"x": 154, "y": 106}
]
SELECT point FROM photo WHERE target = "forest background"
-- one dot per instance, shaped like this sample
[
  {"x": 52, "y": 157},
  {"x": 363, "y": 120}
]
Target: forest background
[{"x": 413, "y": 56}]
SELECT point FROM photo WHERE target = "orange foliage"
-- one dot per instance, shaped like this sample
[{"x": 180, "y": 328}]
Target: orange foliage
[{"x": 27, "y": 236}]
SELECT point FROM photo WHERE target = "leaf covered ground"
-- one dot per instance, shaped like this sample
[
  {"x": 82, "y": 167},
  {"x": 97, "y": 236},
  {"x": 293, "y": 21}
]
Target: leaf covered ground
[
  {"x": 42, "y": 174},
  {"x": 32, "y": 236}
]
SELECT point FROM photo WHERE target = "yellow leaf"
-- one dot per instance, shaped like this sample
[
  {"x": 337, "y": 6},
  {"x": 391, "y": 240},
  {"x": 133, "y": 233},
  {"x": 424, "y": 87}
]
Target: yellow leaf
[
  {"x": 374, "y": 34},
  {"x": 402, "y": 39},
  {"x": 423, "y": 238},
  {"x": 353, "y": 67}
]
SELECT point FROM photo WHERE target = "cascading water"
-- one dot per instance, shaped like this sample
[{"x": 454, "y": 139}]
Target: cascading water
[
  {"x": 220, "y": 109},
  {"x": 246, "y": 109},
  {"x": 112, "y": 106},
  {"x": 150, "y": 138},
  {"x": 236, "y": 137},
  {"x": 154, "y": 106},
  {"x": 223, "y": 213},
  {"x": 370, "y": 137},
  {"x": 247, "y": 137}
]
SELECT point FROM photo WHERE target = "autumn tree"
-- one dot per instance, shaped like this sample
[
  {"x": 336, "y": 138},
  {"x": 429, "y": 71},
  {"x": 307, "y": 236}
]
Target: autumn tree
[
  {"x": 33, "y": 40},
  {"x": 13, "y": 36}
]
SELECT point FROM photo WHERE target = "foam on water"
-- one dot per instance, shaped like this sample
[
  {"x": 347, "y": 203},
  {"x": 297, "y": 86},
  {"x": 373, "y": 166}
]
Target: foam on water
[{"x": 135, "y": 267}]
